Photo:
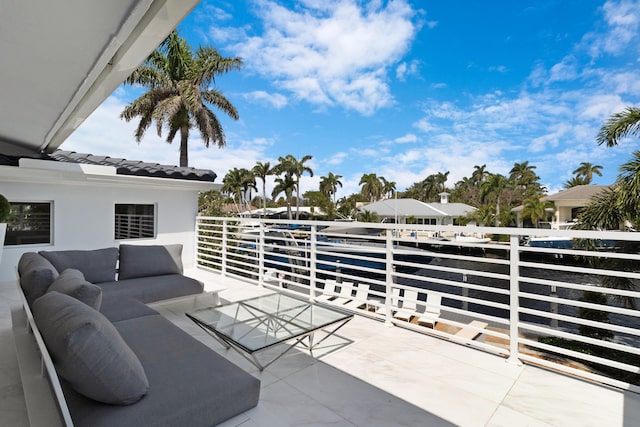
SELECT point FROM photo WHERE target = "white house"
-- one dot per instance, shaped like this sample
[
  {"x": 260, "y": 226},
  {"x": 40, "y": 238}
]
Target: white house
[
  {"x": 567, "y": 204},
  {"x": 63, "y": 202},
  {"x": 61, "y": 60},
  {"x": 398, "y": 210}
]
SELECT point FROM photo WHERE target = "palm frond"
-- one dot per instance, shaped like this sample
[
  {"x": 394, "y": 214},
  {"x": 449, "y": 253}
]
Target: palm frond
[{"x": 618, "y": 126}]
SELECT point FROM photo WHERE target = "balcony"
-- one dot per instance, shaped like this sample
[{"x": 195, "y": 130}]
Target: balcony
[{"x": 381, "y": 370}]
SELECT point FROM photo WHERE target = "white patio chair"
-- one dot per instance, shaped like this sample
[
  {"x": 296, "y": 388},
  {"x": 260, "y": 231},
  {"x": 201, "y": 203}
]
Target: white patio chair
[
  {"x": 346, "y": 289},
  {"x": 409, "y": 306},
  {"x": 329, "y": 291},
  {"x": 362, "y": 293},
  {"x": 431, "y": 312}
]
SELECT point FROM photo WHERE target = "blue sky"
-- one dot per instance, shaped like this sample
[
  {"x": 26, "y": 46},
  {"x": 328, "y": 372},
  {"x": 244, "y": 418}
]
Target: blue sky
[{"x": 406, "y": 88}]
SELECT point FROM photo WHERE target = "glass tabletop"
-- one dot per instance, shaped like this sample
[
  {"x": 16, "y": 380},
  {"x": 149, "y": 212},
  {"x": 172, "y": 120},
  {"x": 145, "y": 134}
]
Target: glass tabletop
[{"x": 257, "y": 323}]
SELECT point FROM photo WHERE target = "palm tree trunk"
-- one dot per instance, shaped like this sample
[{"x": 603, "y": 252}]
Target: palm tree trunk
[
  {"x": 298, "y": 200},
  {"x": 264, "y": 199},
  {"x": 184, "y": 146}
]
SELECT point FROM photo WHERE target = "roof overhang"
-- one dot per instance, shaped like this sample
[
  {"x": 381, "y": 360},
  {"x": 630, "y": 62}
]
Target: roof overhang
[
  {"x": 61, "y": 60},
  {"x": 77, "y": 174}
]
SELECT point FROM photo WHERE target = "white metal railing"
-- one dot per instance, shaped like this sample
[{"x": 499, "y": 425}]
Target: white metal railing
[{"x": 572, "y": 308}]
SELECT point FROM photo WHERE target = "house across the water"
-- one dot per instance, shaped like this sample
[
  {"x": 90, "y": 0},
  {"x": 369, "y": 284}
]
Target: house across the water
[
  {"x": 403, "y": 211},
  {"x": 567, "y": 204}
]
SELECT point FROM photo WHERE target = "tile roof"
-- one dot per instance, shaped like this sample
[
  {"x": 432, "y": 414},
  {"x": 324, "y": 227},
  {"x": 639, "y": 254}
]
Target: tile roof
[{"x": 123, "y": 166}]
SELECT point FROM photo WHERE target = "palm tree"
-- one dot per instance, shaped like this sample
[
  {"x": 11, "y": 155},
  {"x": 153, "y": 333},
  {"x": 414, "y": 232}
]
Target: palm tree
[
  {"x": 492, "y": 189},
  {"x": 232, "y": 185},
  {"x": 371, "y": 186},
  {"x": 440, "y": 179},
  {"x": 248, "y": 181},
  {"x": 262, "y": 170},
  {"x": 575, "y": 181},
  {"x": 388, "y": 187},
  {"x": 329, "y": 185},
  {"x": 618, "y": 126},
  {"x": 536, "y": 209},
  {"x": 296, "y": 168},
  {"x": 179, "y": 93},
  {"x": 479, "y": 174},
  {"x": 285, "y": 185},
  {"x": 587, "y": 170},
  {"x": 522, "y": 174}
]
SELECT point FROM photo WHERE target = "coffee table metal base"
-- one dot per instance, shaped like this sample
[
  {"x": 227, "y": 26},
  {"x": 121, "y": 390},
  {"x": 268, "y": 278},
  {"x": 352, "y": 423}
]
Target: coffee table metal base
[{"x": 251, "y": 357}]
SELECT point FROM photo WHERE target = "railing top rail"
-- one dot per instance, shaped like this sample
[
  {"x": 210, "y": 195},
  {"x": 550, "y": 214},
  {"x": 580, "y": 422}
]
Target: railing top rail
[{"x": 535, "y": 232}]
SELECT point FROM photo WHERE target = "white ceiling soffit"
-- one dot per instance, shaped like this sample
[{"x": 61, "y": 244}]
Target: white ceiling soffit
[{"x": 61, "y": 59}]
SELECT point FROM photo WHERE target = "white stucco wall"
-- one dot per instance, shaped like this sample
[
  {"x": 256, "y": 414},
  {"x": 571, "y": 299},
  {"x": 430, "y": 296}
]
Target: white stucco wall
[{"x": 83, "y": 209}]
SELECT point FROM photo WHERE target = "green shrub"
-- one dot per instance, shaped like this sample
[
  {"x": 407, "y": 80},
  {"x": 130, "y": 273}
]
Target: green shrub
[{"x": 5, "y": 209}]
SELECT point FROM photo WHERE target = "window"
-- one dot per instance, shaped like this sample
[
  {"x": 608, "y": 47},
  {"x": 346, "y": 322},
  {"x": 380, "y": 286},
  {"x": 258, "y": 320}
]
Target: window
[
  {"x": 135, "y": 221},
  {"x": 29, "y": 224}
]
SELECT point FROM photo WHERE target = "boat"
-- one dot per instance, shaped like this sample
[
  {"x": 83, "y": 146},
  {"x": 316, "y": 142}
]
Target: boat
[{"x": 357, "y": 255}]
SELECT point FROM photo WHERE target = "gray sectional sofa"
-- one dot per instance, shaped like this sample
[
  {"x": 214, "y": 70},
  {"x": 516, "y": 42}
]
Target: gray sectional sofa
[{"x": 119, "y": 362}]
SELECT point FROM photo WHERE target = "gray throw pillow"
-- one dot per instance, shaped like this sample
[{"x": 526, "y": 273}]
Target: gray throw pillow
[
  {"x": 36, "y": 275},
  {"x": 71, "y": 282},
  {"x": 149, "y": 260},
  {"x": 88, "y": 351},
  {"x": 98, "y": 265}
]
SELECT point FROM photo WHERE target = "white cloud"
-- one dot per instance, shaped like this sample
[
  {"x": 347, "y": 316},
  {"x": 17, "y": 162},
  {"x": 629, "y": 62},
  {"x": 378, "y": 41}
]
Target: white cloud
[
  {"x": 404, "y": 69},
  {"x": 332, "y": 53},
  {"x": 275, "y": 100}
]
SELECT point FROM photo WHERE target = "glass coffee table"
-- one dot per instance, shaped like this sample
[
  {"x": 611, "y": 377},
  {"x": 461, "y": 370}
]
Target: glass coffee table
[{"x": 256, "y": 324}]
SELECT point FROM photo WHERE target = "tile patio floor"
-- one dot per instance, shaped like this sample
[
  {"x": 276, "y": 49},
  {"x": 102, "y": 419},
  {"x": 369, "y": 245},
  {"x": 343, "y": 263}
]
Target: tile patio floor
[{"x": 370, "y": 374}]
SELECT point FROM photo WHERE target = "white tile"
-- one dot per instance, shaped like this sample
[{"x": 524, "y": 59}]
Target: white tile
[
  {"x": 358, "y": 401},
  {"x": 566, "y": 401},
  {"x": 506, "y": 417}
]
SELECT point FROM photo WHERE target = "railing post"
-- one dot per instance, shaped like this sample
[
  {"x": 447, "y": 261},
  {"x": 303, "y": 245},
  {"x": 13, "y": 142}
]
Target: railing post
[
  {"x": 260, "y": 249},
  {"x": 224, "y": 247},
  {"x": 312, "y": 263},
  {"x": 389, "y": 278},
  {"x": 514, "y": 301}
]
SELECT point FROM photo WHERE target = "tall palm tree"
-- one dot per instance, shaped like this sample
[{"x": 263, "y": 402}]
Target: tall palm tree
[
  {"x": 587, "y": 170},
  {"x": 232, "y": 185},
  {"x": 491, "y": 189},
  {"x": 296, "y": 168},
  {"x": 441, "y": 178},
  {"x": 285, "y": 185},
  {"x": 179, "y": 93},
  {"x": 371, "y": 186},
  {"x": 248, "y": 184},
  {"x": 479, "y": 174},
  {"x": 620, "y": 125},
  {"x": 329, "y": 185},
  {"x": 262, "y": 170},
  {"x": 388, "y": 187},
  {"x": 522, "y": 174}
]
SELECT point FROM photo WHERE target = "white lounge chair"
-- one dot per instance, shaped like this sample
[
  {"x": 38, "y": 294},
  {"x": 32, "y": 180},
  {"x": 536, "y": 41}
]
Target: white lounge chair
[
  {"x": 362, "y": 293},
  {"x": 346, "y": 289},
  {"x": 409, "y": 306},
  {"x": 430, "y": 312},
  {"x": 329, "y": 291}
]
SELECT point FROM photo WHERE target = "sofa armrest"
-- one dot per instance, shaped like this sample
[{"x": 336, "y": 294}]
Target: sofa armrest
[{"x": 44, "y": 399}]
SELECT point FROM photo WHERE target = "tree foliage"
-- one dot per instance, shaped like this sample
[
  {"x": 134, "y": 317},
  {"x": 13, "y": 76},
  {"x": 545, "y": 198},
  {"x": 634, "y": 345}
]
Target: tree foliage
[{"x": 179, "y": 93}]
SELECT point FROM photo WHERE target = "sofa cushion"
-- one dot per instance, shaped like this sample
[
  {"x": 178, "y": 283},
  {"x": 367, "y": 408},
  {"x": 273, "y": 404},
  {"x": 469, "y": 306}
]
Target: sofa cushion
[
  {"x": 88, "y": 351},
  {"x": 36, "y": 275},
  {"x": 71, "y": 282},
  {"x": 117, "y": 308},
  {"x": 154, "y": 288},
  {"x": 189, "y": 383},
  {"x": 149, "y": 260},
  {"x": 97, "y": 265}
]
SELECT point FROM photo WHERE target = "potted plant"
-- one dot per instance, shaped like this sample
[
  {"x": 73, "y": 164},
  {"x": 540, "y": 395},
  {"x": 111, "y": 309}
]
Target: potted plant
[{"x": 5, "y": 209}]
